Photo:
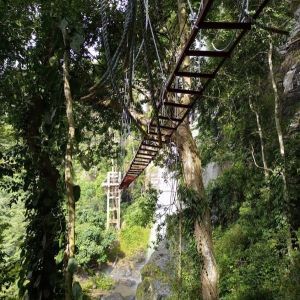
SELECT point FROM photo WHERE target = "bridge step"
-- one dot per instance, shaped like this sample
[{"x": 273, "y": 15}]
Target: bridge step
[
  {"x": 184, "y": 91},
  {"x": 194, "y": 75},
  {"x": 207, "y": 53},
  {"x": 225, "y": 25}
]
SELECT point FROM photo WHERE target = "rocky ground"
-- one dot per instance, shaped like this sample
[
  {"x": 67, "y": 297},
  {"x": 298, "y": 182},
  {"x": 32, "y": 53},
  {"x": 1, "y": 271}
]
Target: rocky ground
[
  {"x": 156, "y": 275},
  {"x": 127, "y": 275}
]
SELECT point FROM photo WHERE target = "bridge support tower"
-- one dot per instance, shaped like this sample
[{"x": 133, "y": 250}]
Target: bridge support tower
[{"x": 113, "y": 214}]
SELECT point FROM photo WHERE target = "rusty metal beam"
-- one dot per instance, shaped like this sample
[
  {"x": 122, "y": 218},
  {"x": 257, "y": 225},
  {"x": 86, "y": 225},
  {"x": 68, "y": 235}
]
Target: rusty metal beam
[
  {"x": 225, "y": 25},
  {"x": 142, "y": 151},
  {"x": 146, "y": 144},
  {"x": 207, "y": 53},
  {"x": 206, "y": 5},
  {"x": 169, "y": 118},
  {"x": 151, "y": 149},
  {"x": 167, "y": 127},
  {"x": 186, "y": 106},
  {"x": 194, "y": 75},
  {"x": 152, "y": 140},
  {"x": 142, "y": 161},
  {"x": 184, "y": 91},
  {"x": 144, "y": 156}
]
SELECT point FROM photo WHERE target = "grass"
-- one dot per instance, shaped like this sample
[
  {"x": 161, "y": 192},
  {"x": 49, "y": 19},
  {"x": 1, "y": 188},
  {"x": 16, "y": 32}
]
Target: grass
[{"x": 134, "y": 239}]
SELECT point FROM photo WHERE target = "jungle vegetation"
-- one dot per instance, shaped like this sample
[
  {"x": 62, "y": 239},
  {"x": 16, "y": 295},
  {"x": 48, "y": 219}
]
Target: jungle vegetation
[{"x": 75, "y": 78}]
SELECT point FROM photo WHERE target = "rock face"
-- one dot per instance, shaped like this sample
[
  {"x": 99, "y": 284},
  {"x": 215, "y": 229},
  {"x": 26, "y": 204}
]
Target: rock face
[
  {"x": 114, "y": 296},
  {"x": 290, "y": 69},
  {"x": 156, "y": 276},
  {"x": 291, "y": 73}
]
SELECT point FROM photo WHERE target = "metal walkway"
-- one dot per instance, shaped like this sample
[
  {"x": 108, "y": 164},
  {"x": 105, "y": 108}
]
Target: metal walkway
[{"x": 171, "y": 113}]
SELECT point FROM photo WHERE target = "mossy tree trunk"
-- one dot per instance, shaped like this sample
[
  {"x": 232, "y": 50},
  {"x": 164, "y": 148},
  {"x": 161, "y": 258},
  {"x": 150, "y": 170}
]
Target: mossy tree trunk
[
  {"x": 70, "y": 252},
  {"x": 191, "y": 165},
  {"x": 192, "y": 173}
]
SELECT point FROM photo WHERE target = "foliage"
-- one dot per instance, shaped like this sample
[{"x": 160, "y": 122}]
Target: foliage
[
  {"x": 133, "y": 240},
  {"x": 186, "y": 261},
  {"x": 12, "y": 230},
  {"x": 194, "y": 204},
  {"x": 93, "y": 240},
  {"x": 137, "y": 219},
  {"x": 141, "y": 211},
  {"x": 251, "y": 236}
]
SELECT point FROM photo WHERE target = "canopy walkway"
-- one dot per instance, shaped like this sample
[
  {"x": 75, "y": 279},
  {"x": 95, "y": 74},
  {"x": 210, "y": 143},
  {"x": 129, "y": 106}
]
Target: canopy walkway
[{"x": 171, "y": 113}]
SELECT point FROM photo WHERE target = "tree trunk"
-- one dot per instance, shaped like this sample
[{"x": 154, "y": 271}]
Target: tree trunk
[
  {"x": 277, "y": 104},
  {"x": 262, "y": 145},
  {"x": 68, "y": 174},
  {"x": 192, "y": 173},
  {"x": 43, "y": 226},
  {"x": 277, "y": 116},
  {"x": 191, "y": 165}
]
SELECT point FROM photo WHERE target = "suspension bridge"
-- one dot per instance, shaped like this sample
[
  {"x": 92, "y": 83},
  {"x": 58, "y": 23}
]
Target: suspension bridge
[{"x": 172, "y": 111}]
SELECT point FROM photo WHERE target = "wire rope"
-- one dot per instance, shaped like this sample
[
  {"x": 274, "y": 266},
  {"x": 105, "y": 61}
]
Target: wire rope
[
  {"x": 244, "y": 12},
  {"x": 148, "y": 22}
]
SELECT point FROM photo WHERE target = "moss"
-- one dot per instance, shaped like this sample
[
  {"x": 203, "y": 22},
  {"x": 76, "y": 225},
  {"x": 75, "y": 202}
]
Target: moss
[
  {"x": 100, "y": 282},
  {"x": 152, "y": 276},
  {"x": 151, "y": 270},
  {"x": 144, "y": 290}
]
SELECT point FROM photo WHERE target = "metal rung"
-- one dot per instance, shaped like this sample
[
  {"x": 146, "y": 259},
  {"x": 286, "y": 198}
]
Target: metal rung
[
  {"x": 183, "y": 91},
  {"x": 167, "y": 127},
  {"x": 152, "y": 140},
  {"x": 141, "y": 160},
  {"x": 195, "y": 75},
  {"x": 143, "y": 147},
  {"x": 146, "y": 163},
  {"x": 144, "y": 156},
  {"x": 147, "y": 151},
  {"x": 207, "y": 53},
  {"x": 142, "y": 165},
  {"x": 225, "y": 25},
  {"x": 154, "y": 146},
  {"x": 148, "y": 154},
  {"x": 186, "y": 106},
  {"x": 139, "y": 164},
  {"x": 169, "y": 118},
  {"x": 156, "y": 133}
]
